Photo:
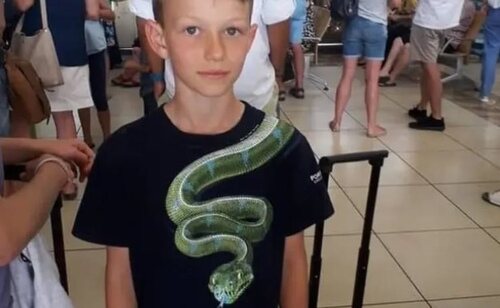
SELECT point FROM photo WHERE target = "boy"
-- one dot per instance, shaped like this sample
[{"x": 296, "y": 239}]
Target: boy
[{"x": 125, "y": 207}]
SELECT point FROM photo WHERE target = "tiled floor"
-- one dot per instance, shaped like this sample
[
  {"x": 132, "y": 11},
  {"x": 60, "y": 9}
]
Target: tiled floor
[{"x": 435, "y": 243}]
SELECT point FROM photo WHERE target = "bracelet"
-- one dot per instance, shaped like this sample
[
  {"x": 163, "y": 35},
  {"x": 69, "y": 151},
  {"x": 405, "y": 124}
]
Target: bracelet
[
  {"x": 156, "y": 77},
  {"x": 59, "y": 162}
]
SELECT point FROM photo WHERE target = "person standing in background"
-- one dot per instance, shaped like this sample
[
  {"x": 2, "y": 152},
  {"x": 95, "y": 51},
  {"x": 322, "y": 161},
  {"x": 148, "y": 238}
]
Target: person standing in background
[
  {"x": 96, "y": 49},
  {"x": 365, "y": 37},
  {"x": 432, "y": 19},
  {"x": 491, "y": 50}
]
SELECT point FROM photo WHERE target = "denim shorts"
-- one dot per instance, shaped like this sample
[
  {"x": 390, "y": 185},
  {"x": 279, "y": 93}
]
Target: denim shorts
[{"x": 364, "y": 38}]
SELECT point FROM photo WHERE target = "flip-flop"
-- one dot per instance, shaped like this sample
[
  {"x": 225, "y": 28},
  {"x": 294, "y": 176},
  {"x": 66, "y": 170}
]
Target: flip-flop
[
  {"x": 297, "y": 93},
  {"x": 383, "y": 79},
  {"x": 386, "y": 84},
  {"x": 281, "y": 96}
]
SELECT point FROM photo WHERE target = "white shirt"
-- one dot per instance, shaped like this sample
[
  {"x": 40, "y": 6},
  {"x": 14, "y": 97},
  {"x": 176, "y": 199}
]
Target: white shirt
[
  {"x": 257, "y": 80},
  {"x": 494, "y": 3},
  {"x": 438, "y": 14}
]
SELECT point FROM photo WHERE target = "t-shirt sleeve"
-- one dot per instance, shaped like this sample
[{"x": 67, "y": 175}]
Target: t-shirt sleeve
[
  {"x": 142, "y": 8},
  {"x": 307, "y": 197},
  {"x": 105, "y": 213},
  {"x": 275, "y": 11}
]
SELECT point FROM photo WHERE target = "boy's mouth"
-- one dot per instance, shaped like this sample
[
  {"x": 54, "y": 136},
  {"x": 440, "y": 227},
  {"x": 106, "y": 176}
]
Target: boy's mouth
[{"x": 213, "y": 74}]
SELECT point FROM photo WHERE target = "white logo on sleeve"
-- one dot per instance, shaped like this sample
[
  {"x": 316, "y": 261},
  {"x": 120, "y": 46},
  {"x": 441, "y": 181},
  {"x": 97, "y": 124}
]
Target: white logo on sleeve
[{"x": 317, "y": 177}]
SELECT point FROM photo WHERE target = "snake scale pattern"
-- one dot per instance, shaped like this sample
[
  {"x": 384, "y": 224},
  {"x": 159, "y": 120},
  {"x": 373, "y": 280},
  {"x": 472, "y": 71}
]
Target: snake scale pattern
[{"x": 226, "y": 224}]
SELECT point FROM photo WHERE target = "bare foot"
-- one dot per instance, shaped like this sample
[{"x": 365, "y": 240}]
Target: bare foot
[
  {"x": 378, "y": 131},
  {"x": 334, "y": 127}
]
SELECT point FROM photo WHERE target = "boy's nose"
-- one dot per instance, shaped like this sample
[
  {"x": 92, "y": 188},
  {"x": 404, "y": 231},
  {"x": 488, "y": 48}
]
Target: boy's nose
[{"x": 215, "y": 49}]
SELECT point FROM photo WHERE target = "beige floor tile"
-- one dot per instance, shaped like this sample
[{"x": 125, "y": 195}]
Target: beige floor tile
[
  {"x": 318, "y": 121},
  {"x": 86, "y": 277},
  {"x": 468, "y": 198},
  {"x": 410, "y": 208},
  {"x": 317, "y": 101},
  {"x": 401, "y": 305},
  {"x": 68, "y": 214},
  {"x": 346, "y": 219},
  {"x": 388, "y": 116},
  {"x": 455, "y": 115},
  {"x": 475, "y": 138},
  {"x": 325, "y": 143},
  {"x": 495, "y": 232},
  {"x": 491, "y": 155},
  {"x": 481, "y": 302},
  {"x": 414, "y": 140},
  {"x": 394, "y": 172},
  {"x": 452, "y": 166},
  {"x": 448, "y": 264},
  {"x": 385, "y": 281}
]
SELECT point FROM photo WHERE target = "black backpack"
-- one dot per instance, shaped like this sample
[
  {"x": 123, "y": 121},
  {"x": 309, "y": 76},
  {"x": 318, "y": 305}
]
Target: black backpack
[{"x": 343, "y": 9}]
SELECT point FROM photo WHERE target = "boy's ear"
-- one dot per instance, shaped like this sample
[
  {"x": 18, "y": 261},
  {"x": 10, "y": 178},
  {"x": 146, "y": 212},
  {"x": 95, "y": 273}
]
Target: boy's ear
[
  {"x": 251, "y": 36},
  {"x": 156, "y": 38}
]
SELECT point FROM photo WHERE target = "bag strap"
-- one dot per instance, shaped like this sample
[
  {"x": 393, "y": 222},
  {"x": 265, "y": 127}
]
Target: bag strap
[{"x": 43, "y": 11}]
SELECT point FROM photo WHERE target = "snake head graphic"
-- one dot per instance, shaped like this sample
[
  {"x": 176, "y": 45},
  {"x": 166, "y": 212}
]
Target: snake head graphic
[{"x": 230, "y": 280}]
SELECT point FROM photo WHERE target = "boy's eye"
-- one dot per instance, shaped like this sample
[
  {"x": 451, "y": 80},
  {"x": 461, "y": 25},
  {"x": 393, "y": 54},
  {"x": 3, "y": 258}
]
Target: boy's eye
[
  {"x": 192, "y": 30},
  {"x": 232, "y": 31}
]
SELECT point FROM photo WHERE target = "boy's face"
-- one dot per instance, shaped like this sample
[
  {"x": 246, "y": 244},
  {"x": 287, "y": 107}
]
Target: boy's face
[{"x": 207, "y": 42}]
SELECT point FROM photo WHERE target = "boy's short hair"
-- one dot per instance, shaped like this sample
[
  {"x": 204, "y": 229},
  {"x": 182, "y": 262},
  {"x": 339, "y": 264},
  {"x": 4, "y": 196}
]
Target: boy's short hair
[{"x": 158, "y": 9}]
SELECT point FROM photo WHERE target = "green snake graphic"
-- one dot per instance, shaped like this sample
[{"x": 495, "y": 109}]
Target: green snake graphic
[{"x": 226, "y": 224}]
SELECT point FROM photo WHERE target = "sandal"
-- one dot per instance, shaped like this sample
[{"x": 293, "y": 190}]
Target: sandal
[
  {"x": 281, "y": 95},
  {"x": 383, "y": 79},
  {"x": 297, "y": 93},
  {"x": 386, "y": 84}
]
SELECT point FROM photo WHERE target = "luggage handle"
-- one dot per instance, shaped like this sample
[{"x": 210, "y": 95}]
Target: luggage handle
[{"x": 376, "y": 160}]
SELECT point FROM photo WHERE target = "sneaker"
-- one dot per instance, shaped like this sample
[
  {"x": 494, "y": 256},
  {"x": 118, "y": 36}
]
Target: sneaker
[
  {"x": 428, "y": 123},
  {"x": 487, "y": 101},
  {"x": 417, "y": 113},
  {"x": 492, "y": 197}
]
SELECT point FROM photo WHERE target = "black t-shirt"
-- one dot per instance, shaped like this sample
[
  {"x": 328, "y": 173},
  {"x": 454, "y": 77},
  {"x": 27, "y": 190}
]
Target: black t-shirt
[{"x": 124, "y": 205}]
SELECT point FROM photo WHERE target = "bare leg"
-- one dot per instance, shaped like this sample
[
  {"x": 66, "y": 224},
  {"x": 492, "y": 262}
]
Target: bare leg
[
  {"x": 372, "y": 97},
  {"x": 401, "y": 63},
  {"x": 65, "y": 124},
  {"x": 105, "y": 122},
  {"x": 394, "y": 54},
  {"x": 344, "y": 91},
  {"x": 434, "y": 87},
  {"x": 424, "y": 91},
  {"x": 84, "y": 115},
  {"x": 299, "y": 65}
]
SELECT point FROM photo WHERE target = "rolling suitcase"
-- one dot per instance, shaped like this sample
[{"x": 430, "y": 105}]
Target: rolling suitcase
[{"x": 376, "y": 160}]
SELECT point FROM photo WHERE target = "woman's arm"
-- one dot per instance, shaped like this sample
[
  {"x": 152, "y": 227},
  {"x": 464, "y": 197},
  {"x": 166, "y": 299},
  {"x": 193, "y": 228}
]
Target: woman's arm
[
  {"x": 294, "y": 293},
  {"x": 119, "y": 286},
  {"x": 23, "y": 214},
  {"x": 23, "y": 5},
  {"x": 92, "y": 9},
  {"x": 105, "y": 11}
]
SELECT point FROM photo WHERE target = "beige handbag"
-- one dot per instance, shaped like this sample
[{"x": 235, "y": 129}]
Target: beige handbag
[{"x": 39, "y": 50}]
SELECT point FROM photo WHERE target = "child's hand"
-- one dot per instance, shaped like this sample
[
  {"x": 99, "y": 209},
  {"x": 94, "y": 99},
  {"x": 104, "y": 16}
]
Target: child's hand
[
  {"x": 33, "y": 167},
  {"x": 72, "y": 150}
]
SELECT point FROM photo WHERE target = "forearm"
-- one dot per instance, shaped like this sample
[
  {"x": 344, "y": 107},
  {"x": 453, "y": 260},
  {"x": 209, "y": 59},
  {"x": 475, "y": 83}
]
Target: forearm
[
  {"x": 23, "y": 5},
  {"x": 294, "y": 292},
  {"x": 20, "y": 150},
  {"x": 24, "y": 213},
  {"x": 119, "y": 286},
  {"x": 155, "y": 62},
  {"x": 105, "y": 11},
  {"x": 278, "y": 42},
  {"x": 92, "y": 9}
]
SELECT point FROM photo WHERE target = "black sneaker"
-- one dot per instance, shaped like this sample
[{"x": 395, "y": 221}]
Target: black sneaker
[
  {"x": 417, "y": 113},
  {"x": 428, "y": 123}
]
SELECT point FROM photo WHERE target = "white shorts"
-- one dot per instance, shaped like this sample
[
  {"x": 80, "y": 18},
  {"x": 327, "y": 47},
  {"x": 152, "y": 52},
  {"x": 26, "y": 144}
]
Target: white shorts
[{"x": 75, "y": 93}]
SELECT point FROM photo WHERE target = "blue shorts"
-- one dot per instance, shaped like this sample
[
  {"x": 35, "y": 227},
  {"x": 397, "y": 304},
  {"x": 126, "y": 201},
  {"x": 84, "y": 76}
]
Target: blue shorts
[
  {"x": 364, "y": 38},
  {"x": 297, "y": 21}
]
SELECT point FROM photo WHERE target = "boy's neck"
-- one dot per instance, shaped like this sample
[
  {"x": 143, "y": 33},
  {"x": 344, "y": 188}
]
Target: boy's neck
[{"x": 204, "y": 116}]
